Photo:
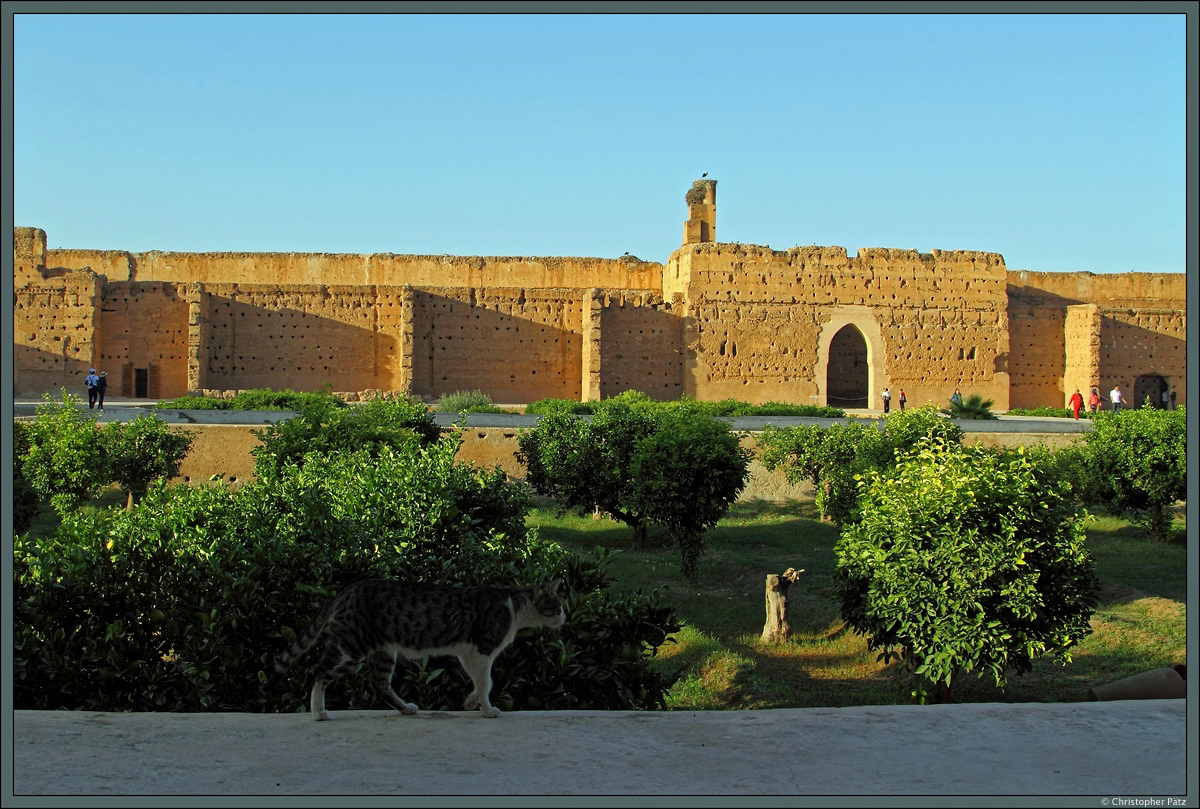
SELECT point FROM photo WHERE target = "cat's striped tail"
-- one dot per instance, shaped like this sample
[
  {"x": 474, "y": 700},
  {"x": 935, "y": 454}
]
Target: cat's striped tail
[{"x": 303, "y": 642}]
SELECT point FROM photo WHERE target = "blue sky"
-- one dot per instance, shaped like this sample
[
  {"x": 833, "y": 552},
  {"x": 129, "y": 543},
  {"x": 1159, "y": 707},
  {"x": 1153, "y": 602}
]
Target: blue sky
[{"x": 1055, "y": 140}]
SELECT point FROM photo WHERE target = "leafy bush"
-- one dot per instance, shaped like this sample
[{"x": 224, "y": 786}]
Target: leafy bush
[
  {"x": 973, "y": 407},
  {"x": 142, "y": 451},
  {"x": 640, "y": 464},
  {"x": 463, "y": 401},
  {"x": 546, "y": 407},
  {"x": 183, "y": 602},
  {"x": 834, "y": 458},
  {"x": 965, "y": 559},
  {"x": 26, "y": 501},
  {"x": 66, "y": 461},
  {"x": 1134, "y": 462},
  {"x": 725, "y": 408},
  {"x": 258, "y": 399},
  {"x": 584, "y": 464},
  {"x": 327, "y": 425},
  {"x": 686, "y": 474}
]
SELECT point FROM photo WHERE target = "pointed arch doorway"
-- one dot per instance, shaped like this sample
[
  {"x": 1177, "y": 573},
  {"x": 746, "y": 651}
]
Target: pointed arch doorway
[{"x": 847, "y": 375}]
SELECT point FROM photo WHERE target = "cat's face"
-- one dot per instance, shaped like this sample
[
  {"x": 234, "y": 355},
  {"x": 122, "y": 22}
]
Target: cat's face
[{"x": 547, "y": 599}]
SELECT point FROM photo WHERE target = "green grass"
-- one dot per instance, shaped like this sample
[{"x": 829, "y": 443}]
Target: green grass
[{"x": 718, "y": 661}]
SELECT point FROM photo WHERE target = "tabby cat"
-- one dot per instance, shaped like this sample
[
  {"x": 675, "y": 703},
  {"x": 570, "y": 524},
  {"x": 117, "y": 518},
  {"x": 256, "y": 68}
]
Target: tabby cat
[{"x": 377, "y": 619}]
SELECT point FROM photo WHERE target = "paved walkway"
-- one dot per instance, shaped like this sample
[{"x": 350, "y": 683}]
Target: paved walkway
[{"x": 1100, "y": 749}]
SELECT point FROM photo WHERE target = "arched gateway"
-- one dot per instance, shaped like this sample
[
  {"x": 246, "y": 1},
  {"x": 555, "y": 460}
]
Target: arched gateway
[{"x": 847, "y": 377}]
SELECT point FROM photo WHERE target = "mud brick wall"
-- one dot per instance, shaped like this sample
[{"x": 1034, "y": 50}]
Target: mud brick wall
[
  {"x": 761, "y": 321},
  {"x": 144, "y": 326},
  {"x": 1142, "y": 341},
  {"x": 517, "y": 345},
  {"x": 300, "y": 337},
  {"x": 641, "y": 345},
  {"x": 1081, "y": 350},
  {"x": 1111, "y": 329},
  {"x": 354, "y": 269},
  {"x": 54, "y": 332},
  {"x": 29, "y": 255}
]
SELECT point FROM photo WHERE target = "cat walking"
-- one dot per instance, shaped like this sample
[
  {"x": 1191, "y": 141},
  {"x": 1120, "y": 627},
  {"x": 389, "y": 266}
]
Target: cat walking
[{"x": 377, "y": 620}]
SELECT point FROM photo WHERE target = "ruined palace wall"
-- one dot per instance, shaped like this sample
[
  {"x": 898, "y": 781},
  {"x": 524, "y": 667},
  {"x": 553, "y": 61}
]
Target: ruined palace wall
[
  {"x": 303, "y": 336},
  {"x": 641, "y": 345},
  {"x": 54, "y": 333},
  {"x": 29, "y": 255},
  {"x": 1134, "y": 342},
  {"x": 143, "y": 326},
  {"x": 380, "y": 269},
  {"x": 1138, "y": 326},
  {"x": 1081, "y": 350},
  {"x": 515, "y": 344},
  {"x": 757, "y": 320}
]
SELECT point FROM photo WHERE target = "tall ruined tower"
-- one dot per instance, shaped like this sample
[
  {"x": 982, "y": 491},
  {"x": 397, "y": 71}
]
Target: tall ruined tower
[{"x": 701, "y": 224}]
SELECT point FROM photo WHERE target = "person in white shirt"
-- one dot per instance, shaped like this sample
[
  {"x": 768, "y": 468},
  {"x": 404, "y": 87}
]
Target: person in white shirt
[{"x": 1116, "y": 397}]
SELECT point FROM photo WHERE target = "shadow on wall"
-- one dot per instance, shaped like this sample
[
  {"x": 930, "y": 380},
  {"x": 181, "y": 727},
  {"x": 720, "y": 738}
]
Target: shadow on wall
[
  {"x": 641, "y": 348},
  {"x": 254, "y": 346},
  {"x": 37, "y": 371},
  {"x": 460, "y": 345}
]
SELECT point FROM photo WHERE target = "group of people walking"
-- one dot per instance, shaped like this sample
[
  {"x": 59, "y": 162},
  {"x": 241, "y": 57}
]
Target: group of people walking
[
  {"x": 1116, "y": 400},
  {"x": 96, "y": 386}
]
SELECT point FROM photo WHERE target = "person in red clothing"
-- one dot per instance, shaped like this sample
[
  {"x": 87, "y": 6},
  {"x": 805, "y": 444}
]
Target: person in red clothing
[
  {"x": 1076, "y": 403},
  {"x": 1094, "y": 400}
]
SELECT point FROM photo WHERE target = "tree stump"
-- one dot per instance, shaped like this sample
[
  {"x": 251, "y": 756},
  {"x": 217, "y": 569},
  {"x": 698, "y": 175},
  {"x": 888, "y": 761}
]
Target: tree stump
[{"x": 776, "y": 628}]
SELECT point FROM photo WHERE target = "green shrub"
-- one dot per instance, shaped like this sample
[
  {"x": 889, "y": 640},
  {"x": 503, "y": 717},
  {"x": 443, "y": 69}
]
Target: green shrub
[
  {"x": 973, "y": 407},
  {"x": 327, "y": 425},
  {"x": 905, "y": 429},
  {"x": 584, "y": 463},
  {"x": 1134, "y": 462},
  {"x": 26, "y": 501},
  {"x": 183, "y": 602},
  {"x": 833, "y": 458},
  {"x": 546, "y": 407},
  {"x": 965, "y": 559},
  {"x": 640, "y": 464},
  {"x": 257, "y": 399},
  {"x": 67, "y": 462},
  {"x": 463, "y": 401},
  {"x": 142, "y": 451},
  {"x": 686, "y": 474}
]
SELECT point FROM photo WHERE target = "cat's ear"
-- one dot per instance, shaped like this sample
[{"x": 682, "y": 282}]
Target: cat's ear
[{"x": 555, "y": 586}]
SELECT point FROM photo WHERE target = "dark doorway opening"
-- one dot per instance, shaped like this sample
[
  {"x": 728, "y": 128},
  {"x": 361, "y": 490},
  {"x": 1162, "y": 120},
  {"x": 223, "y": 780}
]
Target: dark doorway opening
[
  {"x": 141, "y": 382},
  {"x": 1148, "y": 385},
  {"x": 846, "y": 376}
]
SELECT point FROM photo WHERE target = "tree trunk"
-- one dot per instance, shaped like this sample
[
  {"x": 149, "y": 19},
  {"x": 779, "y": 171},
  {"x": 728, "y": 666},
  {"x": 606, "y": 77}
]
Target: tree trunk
[{"x": 776, "y": 629}]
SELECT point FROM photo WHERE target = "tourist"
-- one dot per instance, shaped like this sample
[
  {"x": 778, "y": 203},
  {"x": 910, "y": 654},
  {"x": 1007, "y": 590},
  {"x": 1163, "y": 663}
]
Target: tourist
[
  {"x": 1076, "y": 403},
  {"x": 902, "y": 399},
  {"x": 1172, "y": 399},
  {"x": 956, "y": 398},
  {"x": 887, "y": 400},
  {"x": 1116, "y": 398},
  {"x": 101, "y": 386},
  {"x": 1166, "y": 399},
  {"x": 1094, "y": 400},
  {"x": 91, "y": 381}
]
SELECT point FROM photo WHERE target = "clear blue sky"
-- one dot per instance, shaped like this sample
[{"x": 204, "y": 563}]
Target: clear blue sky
[{"x": 1055, "y": 140}]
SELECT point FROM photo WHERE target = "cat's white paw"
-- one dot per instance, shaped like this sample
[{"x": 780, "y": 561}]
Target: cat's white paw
[
  {"x": 471, "y": 702},
  {"x": 321, "y": 716},
  {"x": 409, "y": 708},
  {"x": 491, "y": 712}
]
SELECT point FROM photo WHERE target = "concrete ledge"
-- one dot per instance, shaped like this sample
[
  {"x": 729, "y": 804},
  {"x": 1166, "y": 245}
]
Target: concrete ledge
[{"x": 1088, "y": 748}]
